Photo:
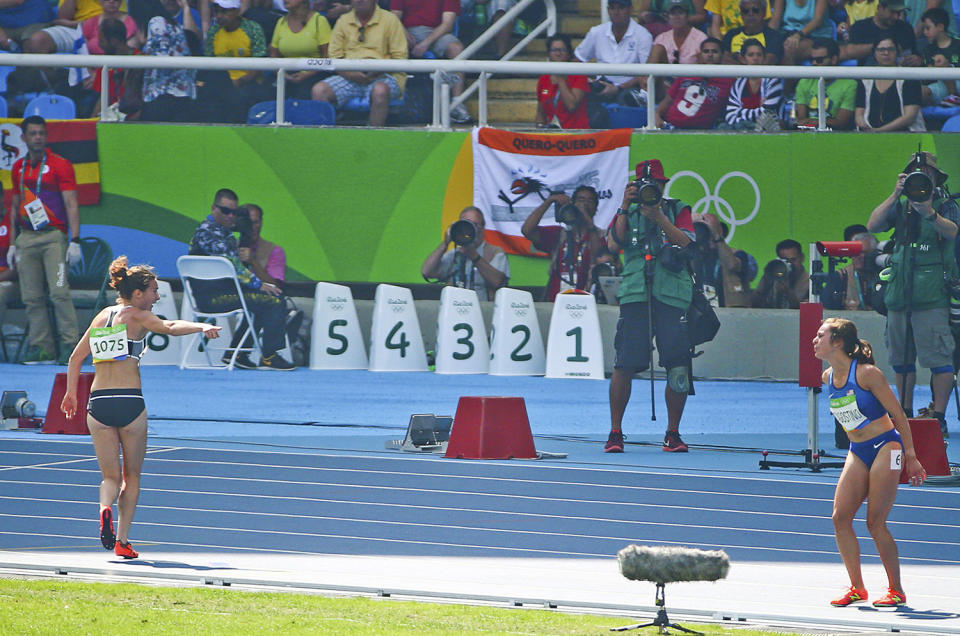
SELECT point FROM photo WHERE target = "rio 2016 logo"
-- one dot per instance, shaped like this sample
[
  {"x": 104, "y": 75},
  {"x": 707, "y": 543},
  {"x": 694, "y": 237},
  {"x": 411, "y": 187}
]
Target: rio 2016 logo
[{"x": 712, "y": 201}]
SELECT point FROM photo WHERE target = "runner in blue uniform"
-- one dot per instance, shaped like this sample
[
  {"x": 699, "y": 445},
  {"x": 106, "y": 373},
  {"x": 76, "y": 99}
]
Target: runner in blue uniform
[
  {"x": 880, "y": 445},
  {"x": 116, "y": 414}
]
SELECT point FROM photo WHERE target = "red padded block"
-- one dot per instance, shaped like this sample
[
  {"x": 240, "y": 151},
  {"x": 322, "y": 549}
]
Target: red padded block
[
  {"x": 491, "y": 428},
  {"x": 56, "y": 422},
  {"x": 811, "y": 368},
  {"x": 928, "y": 444}
]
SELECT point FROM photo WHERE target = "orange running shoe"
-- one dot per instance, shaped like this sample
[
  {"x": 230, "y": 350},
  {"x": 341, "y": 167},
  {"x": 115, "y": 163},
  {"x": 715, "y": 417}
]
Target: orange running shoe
[
  {"x": 852, "y": 595},
  {"x": 107, "y": 537},
  {"x": 892, "y": 598},
  {"x": 125, "y": 550}
]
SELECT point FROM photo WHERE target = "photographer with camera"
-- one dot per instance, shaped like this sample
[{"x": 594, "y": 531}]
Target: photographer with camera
[
  {"x": 473, "y": 263},
  {"x": 214, "y": 237},
  {"x": 921, "y": 279},
  {"x": 655, "y": 294},
  {"x": 724, "y": 275},
  {"x": 573, "y": 244}
]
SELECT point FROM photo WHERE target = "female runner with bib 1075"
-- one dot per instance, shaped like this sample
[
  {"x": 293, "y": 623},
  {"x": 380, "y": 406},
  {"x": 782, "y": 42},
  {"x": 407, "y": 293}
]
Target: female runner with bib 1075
[
  {"x": 116, "y": 414},
  {"x": 880, "y": 445}
]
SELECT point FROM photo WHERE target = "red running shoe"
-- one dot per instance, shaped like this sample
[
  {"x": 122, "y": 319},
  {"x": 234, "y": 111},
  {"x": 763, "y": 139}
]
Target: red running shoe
[
  {"x": 893, "y": 598},
  {"x": 107, "y": 538},
  {"x": 614, "y": 442},
  {"x": 852, "y": 595},
  {"x": 673, "y": 444},
  {"x": 125, "y": 550}
]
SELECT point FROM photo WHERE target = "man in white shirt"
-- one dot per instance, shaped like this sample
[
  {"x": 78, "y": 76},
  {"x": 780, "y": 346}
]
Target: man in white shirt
[{"x": 619, "y": 41}]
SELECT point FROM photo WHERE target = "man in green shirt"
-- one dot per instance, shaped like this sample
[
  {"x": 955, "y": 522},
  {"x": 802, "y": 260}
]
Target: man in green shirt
[
  {"x": 651, "y": 230},
  {"x": 841, "y": 94}
]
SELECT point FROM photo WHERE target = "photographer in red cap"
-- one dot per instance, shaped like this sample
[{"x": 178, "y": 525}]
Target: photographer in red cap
[{"x": 652, "y": 231}]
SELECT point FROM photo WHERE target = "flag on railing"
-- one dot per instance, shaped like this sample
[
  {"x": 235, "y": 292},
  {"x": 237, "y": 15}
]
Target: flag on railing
[
  {"x": 72, "y": 139},
  {"x": 514, "y": 172}
]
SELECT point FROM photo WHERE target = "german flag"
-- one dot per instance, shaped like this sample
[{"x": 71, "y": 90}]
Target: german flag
[{"x": 72, "y": 139}]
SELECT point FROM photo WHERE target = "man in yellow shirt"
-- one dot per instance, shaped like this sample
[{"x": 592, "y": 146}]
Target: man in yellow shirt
[
  {"x": 367, "y": 32},
  {"x": 726, "y": 16}
]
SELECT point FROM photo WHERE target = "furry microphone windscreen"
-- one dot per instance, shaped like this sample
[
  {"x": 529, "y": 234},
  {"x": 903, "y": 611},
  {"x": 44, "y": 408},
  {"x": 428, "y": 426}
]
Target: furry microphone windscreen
[{"x": 670, "y": 564}]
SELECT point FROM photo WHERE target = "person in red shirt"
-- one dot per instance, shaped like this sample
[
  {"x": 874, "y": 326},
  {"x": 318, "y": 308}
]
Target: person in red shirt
[
  {"x": 562, "y": 100},
  {"x": 44, "y": 204},
  {"x": 696, "y": 102}
]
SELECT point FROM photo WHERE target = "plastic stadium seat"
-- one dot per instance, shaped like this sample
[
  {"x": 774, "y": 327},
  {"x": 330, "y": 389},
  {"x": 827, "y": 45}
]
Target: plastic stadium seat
[
  {"x": 50, "y": 106},
  {"x": 362, "y": 104},
  {"x": 302, "y": 112},
  {"x": 626, "y": 116},
  {"x": 3, "y": 106},
  {"x": 4, "y": 71},
  {"x": 952, "y": 124}
]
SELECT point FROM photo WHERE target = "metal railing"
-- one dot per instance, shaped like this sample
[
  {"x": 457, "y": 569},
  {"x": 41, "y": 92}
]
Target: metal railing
[{"x": 651, "y": 71}]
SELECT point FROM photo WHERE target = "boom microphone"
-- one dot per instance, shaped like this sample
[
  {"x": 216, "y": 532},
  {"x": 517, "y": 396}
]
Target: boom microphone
[{"x": 670, "y": 564}]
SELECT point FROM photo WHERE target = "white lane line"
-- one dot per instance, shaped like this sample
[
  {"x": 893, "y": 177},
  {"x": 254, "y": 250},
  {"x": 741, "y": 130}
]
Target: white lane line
[
  {"x": 48, "y": 465},
  {"x": 456, "y": 509}
]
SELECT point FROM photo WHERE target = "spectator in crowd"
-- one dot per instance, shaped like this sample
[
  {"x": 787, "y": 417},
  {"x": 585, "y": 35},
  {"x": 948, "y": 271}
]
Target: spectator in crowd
[
  {"x": 914, "y": 11},
  {"x": 754, "y": 101},
  {"x": 303, "y": 32},
  {"x": 934, "y": 27},
  {"x": 232, "y": 35},
  {"x": 860, "y": 275},
  {"x": 91, "y": 26},
  {"x": 887, "y": 22},
  {"x": 561, "y": 99},
  {"x": 44, "y": 204},
  {"x": 495, "y": 12},
  {"x": 267, "y": 260},
  {"x": 646, "y": 232},
  {"x": 851, "y": 230},
  {"x": 429, "y": 29},
  {"x": 799, "y": 23},
  {"x": 754, "y": 27},
  {"x": 654, "y": 15},
  {"x": 366, "y": 32},
  {"x": 214, "y": 237},
  {"x": 841, "y": 94},
  {"x": 917, "y": 301},
  {"x": 61, "y": 36},
  {"x": 855, "y": 11},
  {"x": 112, "y": 37},
  {"x": 168, "y": 94},
  {"x": 619, "y": 41},
  {"x": 488, "y": 269},
  {"x": 726, "y": 16},
  {"x": 20, "y": 20},
  {"x": 791, "y": 252},
  {"x": 885, "y": 105},
  {"x": 696, "y": 102},
  {"x": 184, "y": 14},
  {"x": 9, "y": 289},
  {"x": 680, "y": 44},
  {"x": 940, "y": 92},
  {"x": 573, "y": 246},
  {"x": 723, "y": 274},
  {"x": 773, "y": 291}
]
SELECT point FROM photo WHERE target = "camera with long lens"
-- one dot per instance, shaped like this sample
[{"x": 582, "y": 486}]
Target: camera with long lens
[
  {"x": 463, "y": 232},
  {"x": 918, "y": 186},
  {"x": 243, "y": 226},
  {"x": 778, "y": 268},
  {"x": 879, "y": 258},
  {"x": 649, "y": 191}
]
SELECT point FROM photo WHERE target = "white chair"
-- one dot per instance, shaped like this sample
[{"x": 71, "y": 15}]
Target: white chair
[{"x": 215, "y": 268}]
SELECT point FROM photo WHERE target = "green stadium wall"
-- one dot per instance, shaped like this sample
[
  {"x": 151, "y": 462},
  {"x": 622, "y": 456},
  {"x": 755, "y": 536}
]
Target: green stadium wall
[{"x": 368, "y": 205}]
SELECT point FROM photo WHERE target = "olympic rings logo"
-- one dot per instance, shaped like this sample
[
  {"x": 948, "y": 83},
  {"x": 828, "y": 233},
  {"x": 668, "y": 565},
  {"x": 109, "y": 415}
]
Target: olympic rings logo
[{"x": 713, "y": 202}]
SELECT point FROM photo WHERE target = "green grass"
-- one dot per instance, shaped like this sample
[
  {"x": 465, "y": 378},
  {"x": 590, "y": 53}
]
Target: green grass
[{"x": 67, "y": 607}]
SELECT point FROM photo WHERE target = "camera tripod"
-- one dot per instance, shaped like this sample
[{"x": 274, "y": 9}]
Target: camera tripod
[{"x": 662, "y": 621}]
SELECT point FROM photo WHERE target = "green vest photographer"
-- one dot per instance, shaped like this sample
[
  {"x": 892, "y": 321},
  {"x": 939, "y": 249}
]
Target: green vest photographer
[
  {"x": 921, "y": 271},
  {"x": 654, "y": 297}
]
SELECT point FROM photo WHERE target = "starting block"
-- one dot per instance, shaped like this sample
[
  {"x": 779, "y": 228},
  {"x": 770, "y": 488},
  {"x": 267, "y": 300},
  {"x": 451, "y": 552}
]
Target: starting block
[
  {"x": 516, "y": 346},
  {"x": 426, "y": 433},
  {"x": 56, "y": 422},
  {"x": 491, "y": 428},
  {"x": 395, "y": 340},
  {"x": 574, "y": 346},
  {"x": 335, "y": 339},
  {"x": 163, "y": 349},
  {"x": 461, "y": 335},
  {"x": 928, "y": 444}
]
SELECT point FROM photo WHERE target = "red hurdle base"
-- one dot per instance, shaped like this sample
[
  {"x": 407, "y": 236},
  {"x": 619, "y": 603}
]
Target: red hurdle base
[
  {"x": 58, "y": 423},
  {"x": 928, "y": 444},
  {"x": 491, "y": 428}
]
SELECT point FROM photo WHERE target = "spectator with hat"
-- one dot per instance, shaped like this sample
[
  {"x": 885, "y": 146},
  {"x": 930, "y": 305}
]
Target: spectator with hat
[
  {"x": 754, "y": 27},
  {"x": 232, "y": 35},
  {"x": 886, "y": 22},
  {"x": 680, "y": 44},
  {"x": 654, "y": 297},
  {"x": 366, "y": 32},
  {"x": 619, "y": 41}
]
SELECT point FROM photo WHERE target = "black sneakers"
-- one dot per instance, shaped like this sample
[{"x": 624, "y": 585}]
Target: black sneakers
[
  {"x": 275, "y": 363},
  {"x": 243, "y": 360},
  {"x": 614, "y": 442},
  {"x": 673, "y": 444}
]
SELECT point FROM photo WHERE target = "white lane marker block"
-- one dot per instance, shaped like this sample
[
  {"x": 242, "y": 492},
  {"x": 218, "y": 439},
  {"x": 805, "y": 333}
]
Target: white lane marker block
[
  {"x": 395, "y": 340},
  {"x": 574, "y": 345},
  {"x": 462, "y": 345},
  {"x": 335, "y": 338},
  {"x": 516, "y": 344}
]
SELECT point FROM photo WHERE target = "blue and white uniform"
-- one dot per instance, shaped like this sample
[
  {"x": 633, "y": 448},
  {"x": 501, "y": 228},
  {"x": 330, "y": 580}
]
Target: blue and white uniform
[{"x": 855, "y": 407}]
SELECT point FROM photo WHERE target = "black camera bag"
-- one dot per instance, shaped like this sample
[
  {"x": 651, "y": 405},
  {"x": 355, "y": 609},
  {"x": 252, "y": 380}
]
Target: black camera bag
[{"x": 702, "y": 321}]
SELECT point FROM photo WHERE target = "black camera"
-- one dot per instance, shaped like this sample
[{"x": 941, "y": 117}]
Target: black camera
[
  {"x": 918, "y": 186},
  {"x": 675, "y": 258},
  {"x": 880, "y": 257},
  {"x": 778, "y": 268},
  {"x": 463, "y": 232},
  {"x": 649, "y": 191},
  {"x": 567, "y": 214},
  {"x": 243, "y": 226}
]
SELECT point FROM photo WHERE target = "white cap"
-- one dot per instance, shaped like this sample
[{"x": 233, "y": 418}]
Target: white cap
[{"x": 227, "y": 4}]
